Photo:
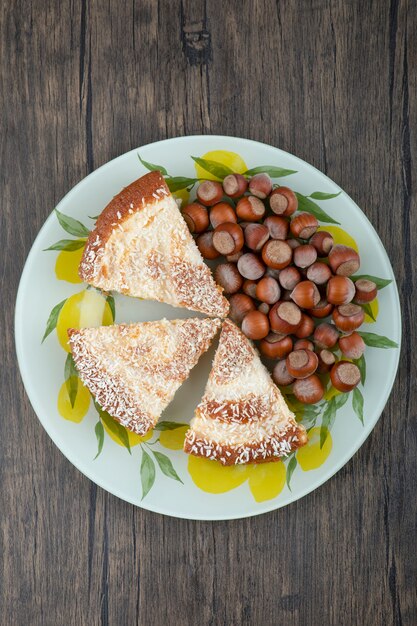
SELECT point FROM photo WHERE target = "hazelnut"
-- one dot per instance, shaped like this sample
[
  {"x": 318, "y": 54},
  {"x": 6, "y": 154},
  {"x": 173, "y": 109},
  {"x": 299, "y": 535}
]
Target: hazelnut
[
  {"x": 268, "y": 290},
  {"x": 305, "y": 294},
  {"x": 323, "y": 242},
  {"x": 227, "y": 276},
  {"x": 285, "y": 317},
  {"x": 277, "y": 226},
  {"x": 302, "y": 363},
  {"x": 276, "y": 254},
  {"x": 343, "y": 260},
  {"x": 283, "y": 201},
  {"x": 221, "y": 213},
  {"x": 352, "y": 346},
  {"x": 250, "y": 266},
  {"x": 205, "y": 245},
  {"x": 209, "y": 192},
  {"x": 228, "y": 238},
  {"x": 345, "y": 376},
  {"x": 304, "y": 255},
  {"x": 340, "y": 290},
  {"x": 256, "y": 235},
  {"x": 304, "y": 225},
  {"x": 366, "y": 291},
  {"x": 309, "y": 390},
  {"x": 196, "y": 217},
  {"x": 280, "y": 374},
  {"x": 276, "y": 346},
  {"x": 325, "y": 336},
  {"x": 260, "y": 185},
  {"x": 235, "y": 185},
  {"x": 250, "y": 209},
  {"x": 240, "y": 305},
  {"x": 255, "y": 325},
  {"x": 348, "y": 317}
]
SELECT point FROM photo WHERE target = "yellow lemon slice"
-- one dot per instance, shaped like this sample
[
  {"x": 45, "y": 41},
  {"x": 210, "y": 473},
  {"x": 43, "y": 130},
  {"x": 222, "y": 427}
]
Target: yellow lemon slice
[
  {"x": 83, "y": 309},
  {"x": 183, "y": 195},
  {"x": 231, "y": 159},
  {"x": 310, "y": 457},
  {"x": 340, "y": 236},
  {"x": 266, "y": 480},
  {"x": 66, "y": 265},
  {"x": 82, "y": 401},
  {"x": 213, "y": 477},
  {"x": 173, "y": 439},
  {"x": 374, "y": 306}
]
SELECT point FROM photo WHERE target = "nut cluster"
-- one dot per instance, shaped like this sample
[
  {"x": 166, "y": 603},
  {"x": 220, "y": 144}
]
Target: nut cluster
[{"x": 289, "y": 283}]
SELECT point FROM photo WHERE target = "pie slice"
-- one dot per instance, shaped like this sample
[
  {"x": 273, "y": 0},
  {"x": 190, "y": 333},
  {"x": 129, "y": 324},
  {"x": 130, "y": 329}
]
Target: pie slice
[
  {"x": 242, "y": 417},
  {"x": 141, "y": 247},
  {"x": 134, "y": 370}
]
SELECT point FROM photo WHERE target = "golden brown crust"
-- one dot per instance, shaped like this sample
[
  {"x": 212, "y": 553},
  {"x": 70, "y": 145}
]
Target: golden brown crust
[
  {"x": 271, "y": 449},
  {"x": 131, "y": 199},
  {"x": 141, "y": 247}
]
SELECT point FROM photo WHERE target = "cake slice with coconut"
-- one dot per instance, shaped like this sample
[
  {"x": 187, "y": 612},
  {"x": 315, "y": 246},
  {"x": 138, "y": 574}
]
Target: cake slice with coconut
[
  {"x": 134, "y": 370},
  {"x": 242, "y": 417},
  {"x": 141, "y": 246}
]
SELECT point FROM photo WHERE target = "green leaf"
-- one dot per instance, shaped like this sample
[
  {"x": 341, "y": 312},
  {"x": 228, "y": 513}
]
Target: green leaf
[
  {"x": 367, "y": 308},
  {"x": 67, "y": 244},
  {"x": 72, "y": 226},
  {"x": 319, "y": 195},
  {"x": 377, "y": 341},
  {"x": 340, "y": 400},
  {"x": 295, "y": 405},
  {"x": 290, "y": 470},
  {"x": 168, "y": 425},
  {"x": 217, "y": 169},
  {"x": 274, "y": 172},
  {"x": 94, "y": 217},
  {"x": 361, "y": 363},
  {"x": 153, "y": 168},
  {"x": 328, "y": 418},
  {"x": 357, "y": 403},
  {"x": 309, "y": 416},
  {"x": 110, "y": 302},
  {"x": 166, "y": 466},
  {"x": 72, "y": 388},
  {"x": 70, "y": 369},
  {"x": 71, "y": 378},
  {"x": 117, "y": 429},
  {"x": 305, "y": 204},
  {"x": 53, "y": 318},
  {"x": 379, "y": 282},
  {"x": 176, "y": 183},
  {"x": 147, "y": 473},
  {"x": 99, "y": 430}
]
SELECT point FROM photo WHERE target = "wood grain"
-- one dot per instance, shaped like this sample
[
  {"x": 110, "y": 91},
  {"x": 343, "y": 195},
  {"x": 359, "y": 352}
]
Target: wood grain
[{"x": 332, "y": 81}]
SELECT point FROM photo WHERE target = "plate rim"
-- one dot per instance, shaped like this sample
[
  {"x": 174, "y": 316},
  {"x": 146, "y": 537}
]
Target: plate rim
[{"x": 268, "y": 505}]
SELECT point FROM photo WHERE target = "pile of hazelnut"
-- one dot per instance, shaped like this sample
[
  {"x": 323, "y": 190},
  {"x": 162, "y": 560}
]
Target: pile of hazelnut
[{"x": 283, "y": 278}]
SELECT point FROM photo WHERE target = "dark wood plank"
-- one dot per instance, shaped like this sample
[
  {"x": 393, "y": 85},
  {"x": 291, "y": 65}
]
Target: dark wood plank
[{"x": 331, "y": 81}]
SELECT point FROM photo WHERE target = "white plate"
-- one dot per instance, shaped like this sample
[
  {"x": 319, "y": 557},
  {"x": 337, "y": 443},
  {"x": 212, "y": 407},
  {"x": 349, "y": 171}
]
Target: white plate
[{"x": 42, "y": 364}]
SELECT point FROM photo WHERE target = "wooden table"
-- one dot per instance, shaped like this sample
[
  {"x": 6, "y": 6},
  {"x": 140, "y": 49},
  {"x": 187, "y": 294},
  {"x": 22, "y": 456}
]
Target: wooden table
[{"x": 331, "y": 81}]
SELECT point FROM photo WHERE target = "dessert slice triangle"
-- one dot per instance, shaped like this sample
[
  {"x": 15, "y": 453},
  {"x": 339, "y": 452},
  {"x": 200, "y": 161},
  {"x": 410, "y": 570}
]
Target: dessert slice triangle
[
  {"x": 242, "y": 417},
  {"x": 134, "y": 370},
  {"x": 141, "y": 247}
]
